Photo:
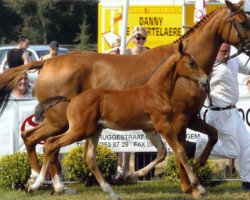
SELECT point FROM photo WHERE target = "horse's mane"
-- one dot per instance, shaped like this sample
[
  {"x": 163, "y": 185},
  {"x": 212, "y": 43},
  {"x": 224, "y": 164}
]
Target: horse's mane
[{"x": 204, "y": 19}]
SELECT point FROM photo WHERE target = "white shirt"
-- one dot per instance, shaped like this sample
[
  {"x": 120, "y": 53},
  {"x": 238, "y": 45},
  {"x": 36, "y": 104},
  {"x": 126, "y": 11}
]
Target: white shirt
[
  {"x": 224, "y": 89},
  {"x": 28, "y": 95}
]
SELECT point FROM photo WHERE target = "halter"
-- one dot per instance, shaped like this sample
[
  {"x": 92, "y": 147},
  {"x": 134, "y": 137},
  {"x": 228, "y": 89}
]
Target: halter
[{"x": 244, "y": 42}]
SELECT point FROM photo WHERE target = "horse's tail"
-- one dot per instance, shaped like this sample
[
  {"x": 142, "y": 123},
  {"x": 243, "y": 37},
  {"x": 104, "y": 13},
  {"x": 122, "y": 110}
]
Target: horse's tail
[
  {"x": 10, "y": 77},
  {"x": 43, "y": 106}
]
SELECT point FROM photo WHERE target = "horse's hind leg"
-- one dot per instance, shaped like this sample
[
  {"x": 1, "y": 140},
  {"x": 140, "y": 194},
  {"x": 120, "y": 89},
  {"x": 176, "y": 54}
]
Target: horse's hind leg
[
  {"x": 55, "y": 173},
  {"x": 155, "y": 139},
  {"x": 30, "y": 143},
  {"x": 91, "y": 162},
  {"x": 198, "y": 124},
  {"x": 51, "y": 148},
  {"x": 31, "y": 138}
]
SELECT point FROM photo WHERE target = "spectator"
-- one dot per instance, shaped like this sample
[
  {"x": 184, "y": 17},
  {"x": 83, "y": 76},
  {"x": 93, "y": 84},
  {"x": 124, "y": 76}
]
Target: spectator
[
  {"x": 17, "y": 56},
  {"x": 115, "y": 46},
  {"x": 138, "y": 37},
  {"x": 54, "y": 46},
  {"x": 22, "y": 89}
]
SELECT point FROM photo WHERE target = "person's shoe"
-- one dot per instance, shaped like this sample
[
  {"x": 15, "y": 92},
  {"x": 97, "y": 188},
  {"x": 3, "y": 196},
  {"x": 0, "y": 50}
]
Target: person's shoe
[
  {"x": 190, "y": 148},
  {"x": 245, "y": 185}
]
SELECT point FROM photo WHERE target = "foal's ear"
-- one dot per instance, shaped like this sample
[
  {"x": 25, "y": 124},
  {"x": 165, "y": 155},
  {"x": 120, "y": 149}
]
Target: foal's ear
[
  {"x": 230, "y": 6},
  {"x": 181, "y": 50}
]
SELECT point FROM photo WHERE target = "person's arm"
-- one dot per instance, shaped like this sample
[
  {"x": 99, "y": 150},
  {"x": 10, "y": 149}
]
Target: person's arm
[
  {"x": 3, "y": 64},
  {"x": 242, "y": 67},
  {"x": 26, "y": 58}
]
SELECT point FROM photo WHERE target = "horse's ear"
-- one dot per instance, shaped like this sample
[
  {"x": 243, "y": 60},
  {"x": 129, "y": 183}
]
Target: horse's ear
[
  {"x": 230, "y": 6},
  {"x": 240, "y": 3},
  {"x": 181, "y": 50}
]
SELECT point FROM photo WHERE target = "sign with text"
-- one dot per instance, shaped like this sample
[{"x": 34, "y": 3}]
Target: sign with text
[{"x": 162, "y": 22}]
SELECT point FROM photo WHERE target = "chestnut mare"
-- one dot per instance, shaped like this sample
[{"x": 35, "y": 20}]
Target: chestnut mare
[
  {"x": 146, "y": 107},
  {"x": 70, "y": 74}
]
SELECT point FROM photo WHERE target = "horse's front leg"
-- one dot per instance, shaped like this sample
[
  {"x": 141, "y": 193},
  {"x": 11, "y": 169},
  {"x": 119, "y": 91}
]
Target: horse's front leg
[
  {"x": 179, "y": 125},
  {"x": 166, "y": 129},
  {"x": 197, "y": 124},
  {"x": 172, "y": 131},
  {"x": 155, "y": 139}
]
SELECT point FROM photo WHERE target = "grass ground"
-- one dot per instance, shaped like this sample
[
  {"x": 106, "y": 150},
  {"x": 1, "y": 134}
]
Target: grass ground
[{"x": 150, "y": 190}]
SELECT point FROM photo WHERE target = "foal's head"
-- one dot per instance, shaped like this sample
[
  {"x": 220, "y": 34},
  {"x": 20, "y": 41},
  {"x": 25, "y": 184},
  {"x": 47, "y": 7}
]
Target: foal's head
[{"x": 187, "y": 67}]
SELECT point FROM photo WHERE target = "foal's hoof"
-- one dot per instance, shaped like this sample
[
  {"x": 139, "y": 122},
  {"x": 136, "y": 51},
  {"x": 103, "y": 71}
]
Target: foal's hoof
[
  {"x": 115, "y": 197},
  {"x": 199, "y": 192},
  {"x": 28, "y": 185}
]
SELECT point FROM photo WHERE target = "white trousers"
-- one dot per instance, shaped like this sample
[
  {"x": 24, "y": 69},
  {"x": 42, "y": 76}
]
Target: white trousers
[{"x": 233, "y": 139}]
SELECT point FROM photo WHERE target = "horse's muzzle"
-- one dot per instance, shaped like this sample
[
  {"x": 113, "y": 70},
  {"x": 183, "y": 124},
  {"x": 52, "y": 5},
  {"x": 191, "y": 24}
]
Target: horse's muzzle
[{"x": 202, "y": 81}]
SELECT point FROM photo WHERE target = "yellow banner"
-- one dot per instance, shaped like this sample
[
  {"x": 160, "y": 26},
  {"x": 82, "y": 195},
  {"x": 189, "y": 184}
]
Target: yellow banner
[{"x": 163, "y": 24}]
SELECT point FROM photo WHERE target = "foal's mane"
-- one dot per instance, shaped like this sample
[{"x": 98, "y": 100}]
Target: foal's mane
[
  {"x": 196, "y": 26},
  {"x": 171, "y": 62}
]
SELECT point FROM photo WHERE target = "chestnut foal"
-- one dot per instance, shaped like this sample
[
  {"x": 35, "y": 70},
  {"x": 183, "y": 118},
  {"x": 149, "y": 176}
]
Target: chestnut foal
[{"x": 145, "y": 107}]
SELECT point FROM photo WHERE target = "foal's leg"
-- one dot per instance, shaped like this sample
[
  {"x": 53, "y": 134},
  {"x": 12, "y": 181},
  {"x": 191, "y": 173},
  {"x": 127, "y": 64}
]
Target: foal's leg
[
  {"x": 55, "y": 173},
  {"x": 179, "y": 129},
  {"x": 155, "y": 139},
  {"x": 51, "y": 147},
  {"x": 32, "y": 137},
  {"x": 91, "y": 161},
  {"x": 165, "y": 128},
  {"x": 49, "y": 127},
  {"x": 197, "y": 124}
]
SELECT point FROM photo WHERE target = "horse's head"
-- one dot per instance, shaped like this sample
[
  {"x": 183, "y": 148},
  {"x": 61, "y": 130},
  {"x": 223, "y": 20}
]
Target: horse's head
[
  {"x": 236, "y": 27},
  {"x": 187, "y": 67}
]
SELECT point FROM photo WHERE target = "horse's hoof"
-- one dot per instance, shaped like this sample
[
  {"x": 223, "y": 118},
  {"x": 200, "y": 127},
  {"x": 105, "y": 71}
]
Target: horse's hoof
[
  {"x": 199, "y": 192},
  {"x": 115, "y": 197},
  {"x": 28, "y": 185}
]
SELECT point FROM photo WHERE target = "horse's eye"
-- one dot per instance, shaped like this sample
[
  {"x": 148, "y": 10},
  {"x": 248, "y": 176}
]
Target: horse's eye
[
  {"x": 192, "y": 64},
  {"x": 244, "y": 24}
]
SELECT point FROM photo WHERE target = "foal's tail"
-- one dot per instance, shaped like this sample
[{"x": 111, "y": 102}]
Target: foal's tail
[
  {"x": 10, "y": 77},
  {"x": 43, "y": 106}
]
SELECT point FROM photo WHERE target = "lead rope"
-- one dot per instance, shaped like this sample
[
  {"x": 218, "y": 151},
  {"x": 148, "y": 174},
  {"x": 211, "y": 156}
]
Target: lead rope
[{"x": 208, "y": 92}]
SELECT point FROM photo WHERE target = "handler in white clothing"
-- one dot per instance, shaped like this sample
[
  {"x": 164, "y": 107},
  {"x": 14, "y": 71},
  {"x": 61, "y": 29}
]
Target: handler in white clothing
[{"x": 234, "y": 139}]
